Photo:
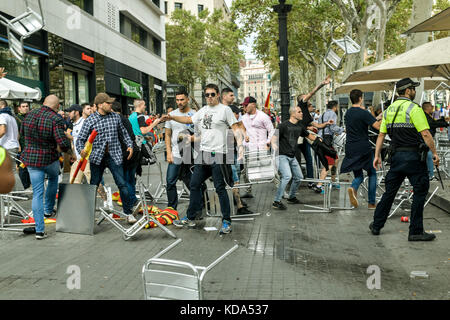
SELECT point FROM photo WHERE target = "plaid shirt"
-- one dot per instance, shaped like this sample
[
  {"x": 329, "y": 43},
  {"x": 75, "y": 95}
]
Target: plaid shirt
[
  {"x": 43, "y": 131},
  {"x": 109, "y": 130}
]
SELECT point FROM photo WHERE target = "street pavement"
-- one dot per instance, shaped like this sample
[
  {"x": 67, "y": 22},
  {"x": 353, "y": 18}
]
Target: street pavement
[{"x": 281, "y": 255}]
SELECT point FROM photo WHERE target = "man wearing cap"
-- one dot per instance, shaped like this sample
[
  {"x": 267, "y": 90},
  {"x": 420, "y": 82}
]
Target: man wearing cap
[
  {"x": 106, "y": 149},
  {"x": 260, "y": 131},
  {"x": 76, "y": 116},
  {"x": 407, "y": 126}
]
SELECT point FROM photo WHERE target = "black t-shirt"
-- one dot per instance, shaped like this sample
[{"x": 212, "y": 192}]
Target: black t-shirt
[
  {"x": 357, "y": 123},
  {"x": 307, "y": 119},
  {"x": 434, "y": 124},
  {"x": 127, "y": 124},
  {"x": 288, "y": 137},
  {"x": 141, "y": 120}
]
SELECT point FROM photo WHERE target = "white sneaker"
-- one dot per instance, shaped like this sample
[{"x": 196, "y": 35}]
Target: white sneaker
[{"x": 131, "y": 219}]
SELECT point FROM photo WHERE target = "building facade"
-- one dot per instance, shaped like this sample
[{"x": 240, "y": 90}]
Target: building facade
[
  {"x": 91, "y": 46},
  {"x": 256, "y": 82},
  {"x": 225, "y": 80}
]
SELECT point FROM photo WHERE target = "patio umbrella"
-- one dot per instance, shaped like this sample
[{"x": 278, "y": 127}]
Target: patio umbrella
[
  {"x": 438, "y": 22},
  {"x": 384, "y": 85},
  {"x": 13, "y": 90},
  {"x": 431, "y": 60}
]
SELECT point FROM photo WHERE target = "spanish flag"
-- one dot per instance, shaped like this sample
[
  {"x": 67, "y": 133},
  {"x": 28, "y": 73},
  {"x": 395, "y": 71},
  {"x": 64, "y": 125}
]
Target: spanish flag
[
  {"x": 88, "y": 149},
  {"x": 267, "y": 104}
]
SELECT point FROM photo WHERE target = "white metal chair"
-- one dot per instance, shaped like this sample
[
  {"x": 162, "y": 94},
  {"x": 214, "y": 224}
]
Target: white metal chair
[
  {"x": 166, "y": 279},
  {"x": 338, "y": 49},
  {"x": 22, "y": 27}
]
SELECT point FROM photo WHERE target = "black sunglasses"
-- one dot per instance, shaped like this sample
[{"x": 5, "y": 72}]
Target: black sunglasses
[{"x": 207, "y": 95}]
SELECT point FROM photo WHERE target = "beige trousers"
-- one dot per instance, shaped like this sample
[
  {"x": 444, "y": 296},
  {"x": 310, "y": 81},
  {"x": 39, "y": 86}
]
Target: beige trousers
[{"x": 79, "y": 178}]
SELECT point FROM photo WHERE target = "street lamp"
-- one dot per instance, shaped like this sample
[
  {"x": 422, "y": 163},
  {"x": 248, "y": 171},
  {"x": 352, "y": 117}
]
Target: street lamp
[{"x": 283, "y": 9}]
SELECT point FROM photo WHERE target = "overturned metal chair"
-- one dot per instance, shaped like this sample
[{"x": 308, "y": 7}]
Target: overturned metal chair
[
  {"x": 128, "y": 233},
  {"x": 166, "y": 279}
]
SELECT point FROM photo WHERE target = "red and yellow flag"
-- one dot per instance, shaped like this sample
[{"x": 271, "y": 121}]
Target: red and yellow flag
[
  {"x": 87, "y": 149},
  {"x": 267, "y": 104}
]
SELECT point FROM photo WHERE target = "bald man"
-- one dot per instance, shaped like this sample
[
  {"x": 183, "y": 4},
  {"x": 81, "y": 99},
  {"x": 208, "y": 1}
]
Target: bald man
[{"x": 43, "y": 131}]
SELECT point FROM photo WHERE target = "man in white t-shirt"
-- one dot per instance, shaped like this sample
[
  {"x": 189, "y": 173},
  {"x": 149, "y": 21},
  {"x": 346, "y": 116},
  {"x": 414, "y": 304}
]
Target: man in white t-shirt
[
  {"x": 9, "y": 132},
  {"x": 78, "y": 117},
  {"x": 178, "y": 135},
  {"x": 211, "y": 124}
]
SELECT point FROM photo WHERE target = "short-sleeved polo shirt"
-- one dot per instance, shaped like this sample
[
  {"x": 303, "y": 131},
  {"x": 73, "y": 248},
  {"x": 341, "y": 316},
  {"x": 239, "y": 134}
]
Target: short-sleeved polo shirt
[{"x": 410, "y": 121}]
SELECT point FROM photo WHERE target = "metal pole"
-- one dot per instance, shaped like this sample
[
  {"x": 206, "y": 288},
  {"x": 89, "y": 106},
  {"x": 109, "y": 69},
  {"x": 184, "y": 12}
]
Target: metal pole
[{"x": 283, "y": 9}]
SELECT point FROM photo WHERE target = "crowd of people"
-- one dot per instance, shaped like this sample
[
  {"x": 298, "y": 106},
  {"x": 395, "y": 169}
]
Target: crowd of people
[{"x": 211, "y": 143}]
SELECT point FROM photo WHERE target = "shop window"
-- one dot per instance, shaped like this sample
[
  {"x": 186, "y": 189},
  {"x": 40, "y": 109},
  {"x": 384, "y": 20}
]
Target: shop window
[
  {"x": 76, "y": 88},
  {"x": 83, "y": 88},
  {"x": 135, "y": 34},
  {"x": 157, "y": 47},
  {"x": 133, "y": 31},
  {"x": 69, "y": 88},
  {"x": 86, "y": 5},
  {"x": 27, "y": 69}
]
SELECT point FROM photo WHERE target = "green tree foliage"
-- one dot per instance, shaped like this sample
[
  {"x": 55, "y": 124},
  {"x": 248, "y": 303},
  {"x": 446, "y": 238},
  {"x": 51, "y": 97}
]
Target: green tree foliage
[
  {"x": 438, "y": 7},
  {"x": 200, "y": 47},
  {"x": 312, "y": 24},
  {"x": 310, "y": 27}
]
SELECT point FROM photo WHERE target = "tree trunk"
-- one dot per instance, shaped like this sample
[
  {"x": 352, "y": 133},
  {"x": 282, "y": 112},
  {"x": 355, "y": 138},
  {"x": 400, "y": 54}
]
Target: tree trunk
[
  {"x": 376, "y": 101},
  {"x": 421, "y": 11},
  {"x": 321, "y": 73}
]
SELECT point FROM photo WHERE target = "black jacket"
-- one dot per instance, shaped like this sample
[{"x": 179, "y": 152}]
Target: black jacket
[{"x": 434, "y": 124}]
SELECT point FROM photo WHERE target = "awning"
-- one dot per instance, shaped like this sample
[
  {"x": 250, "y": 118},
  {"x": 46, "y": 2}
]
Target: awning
[
  {"x": 12, "y": 90},
  {"x": 384, "y": 85},
  {"x": 429, "y": 60},
  {"x": 438, "y": 22}
]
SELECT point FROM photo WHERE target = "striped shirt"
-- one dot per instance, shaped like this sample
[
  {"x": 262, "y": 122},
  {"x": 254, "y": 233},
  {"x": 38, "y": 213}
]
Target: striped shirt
[
  {"x": 109, "y": 130},
  {"x": 43, "y": 131}
]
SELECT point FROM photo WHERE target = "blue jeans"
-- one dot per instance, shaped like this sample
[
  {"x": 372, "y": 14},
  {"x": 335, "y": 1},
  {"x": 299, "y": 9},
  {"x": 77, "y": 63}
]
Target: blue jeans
[
  {"x": 236, "y": 170},
  {"x": 129, "y": 174},
  {"x": 305, "y": 148},
  {"x": 359, "y": 178},
  {"x": 288, "y": 168},
  {"x": 172, "y": 175},
  {"x": 199, "y": 176},
  {"x": 37, "y": 177},
  {"x": 430, "y": 164},
  {"x": 119, "y": 179}
]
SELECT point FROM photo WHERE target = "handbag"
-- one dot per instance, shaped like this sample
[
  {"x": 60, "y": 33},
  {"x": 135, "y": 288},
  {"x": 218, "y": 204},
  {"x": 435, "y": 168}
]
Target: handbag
[{"x": 146, "y": 150}]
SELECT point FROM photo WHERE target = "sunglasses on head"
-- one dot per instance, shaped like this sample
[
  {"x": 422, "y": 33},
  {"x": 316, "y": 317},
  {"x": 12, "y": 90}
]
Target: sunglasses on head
[{"x": 207, "y": 95}]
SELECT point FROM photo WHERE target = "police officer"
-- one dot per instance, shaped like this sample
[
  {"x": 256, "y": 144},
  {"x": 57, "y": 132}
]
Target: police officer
[{"x": 407, "y": 126}]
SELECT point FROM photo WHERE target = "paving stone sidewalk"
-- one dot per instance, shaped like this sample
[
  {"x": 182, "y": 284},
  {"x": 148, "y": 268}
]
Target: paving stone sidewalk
[{"x": 281, "y": 255}]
